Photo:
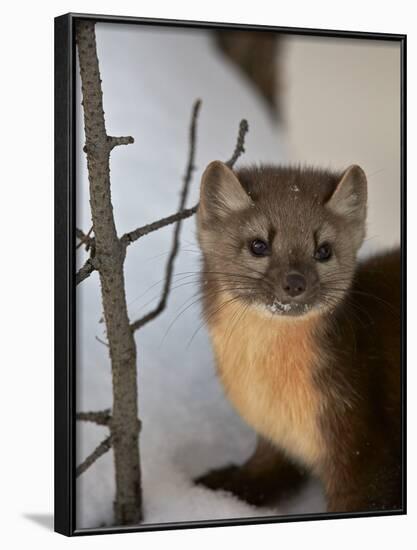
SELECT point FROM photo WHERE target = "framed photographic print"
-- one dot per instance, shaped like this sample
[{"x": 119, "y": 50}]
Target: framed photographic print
[{"x": 230, "y": 274}]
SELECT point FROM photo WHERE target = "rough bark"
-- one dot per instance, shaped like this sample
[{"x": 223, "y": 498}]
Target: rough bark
[{"x": 109, "y": 260}]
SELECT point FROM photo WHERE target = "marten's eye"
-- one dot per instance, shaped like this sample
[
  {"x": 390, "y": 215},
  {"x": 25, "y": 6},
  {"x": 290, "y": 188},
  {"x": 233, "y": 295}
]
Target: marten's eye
[
  {"x": 258, "y": 247},
  {"x": 323, "y": 252}
]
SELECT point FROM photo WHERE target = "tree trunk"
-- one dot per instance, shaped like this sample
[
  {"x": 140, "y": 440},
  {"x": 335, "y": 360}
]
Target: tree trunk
[{"x": 108, "y": 260}]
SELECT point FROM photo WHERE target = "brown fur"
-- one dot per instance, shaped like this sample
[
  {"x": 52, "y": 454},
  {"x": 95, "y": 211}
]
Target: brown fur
[
  {"x": 362, "y": 470},
  {"x": 325, "y": 393},
  {"x": 322, "y": 389}
]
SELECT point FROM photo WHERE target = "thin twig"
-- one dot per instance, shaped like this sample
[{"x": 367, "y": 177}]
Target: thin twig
[
  {"x": 169, "y": 268},
  {"x": 84, "y": 238},
  {"x": 240, "y": 144},
  {"x": 99, "y": 339},
  {"x": 136, "y": 234},
  {"x": 102, "y": 418},
  {"x": 99, "y": 451},
  {"x": 84, "y": 271}
]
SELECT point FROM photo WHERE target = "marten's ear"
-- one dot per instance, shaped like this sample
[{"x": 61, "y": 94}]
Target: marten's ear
[
  {"x": 350, "y": 196},
  {"x": 221, "y": 193}
]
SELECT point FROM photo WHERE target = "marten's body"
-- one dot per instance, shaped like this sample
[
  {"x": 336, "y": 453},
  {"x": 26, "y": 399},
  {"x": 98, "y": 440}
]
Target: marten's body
[{"x": 321, "y": 389}]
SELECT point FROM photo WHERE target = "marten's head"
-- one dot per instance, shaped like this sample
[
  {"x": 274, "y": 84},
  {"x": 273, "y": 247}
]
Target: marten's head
[{"x": 282, "y": 239}]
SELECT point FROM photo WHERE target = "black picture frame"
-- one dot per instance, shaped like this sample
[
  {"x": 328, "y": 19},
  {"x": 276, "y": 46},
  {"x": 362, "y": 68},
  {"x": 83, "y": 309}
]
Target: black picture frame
[{"x": 65, "y": 190}]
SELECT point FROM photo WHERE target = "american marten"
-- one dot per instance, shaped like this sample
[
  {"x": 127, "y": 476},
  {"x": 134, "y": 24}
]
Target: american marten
[{"x": 307, "y": 339}]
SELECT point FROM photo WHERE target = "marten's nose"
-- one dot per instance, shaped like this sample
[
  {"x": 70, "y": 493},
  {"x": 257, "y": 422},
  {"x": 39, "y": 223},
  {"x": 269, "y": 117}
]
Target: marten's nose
[{"x": 294, "y": 284}]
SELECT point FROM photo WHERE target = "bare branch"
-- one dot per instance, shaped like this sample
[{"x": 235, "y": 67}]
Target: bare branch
[
  {"x": 102, "y": 418},
  {"x": 177, "y": 218},
  {"x": 182, "y": 214},
  {"x": 122, "y": 140},
  {"x": 99, "y": 339},
  {"x": 85, "y": 238},
  {"x": 109, "y": 260},
  {"x": 240, "y": 144},
  {"x": 99, "y": 451},
  {"x": 136, "y": 234},
  {"x": 90, "y": 244},
  {"x": 169, "y": 268},
  {"x": 132, "y": 236},
  {"x": 80, "y": 235},
  {"x": 85, "y": 271}
]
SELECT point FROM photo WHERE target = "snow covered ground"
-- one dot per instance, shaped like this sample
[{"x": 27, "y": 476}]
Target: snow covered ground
[{"x": 150, "y": 80}]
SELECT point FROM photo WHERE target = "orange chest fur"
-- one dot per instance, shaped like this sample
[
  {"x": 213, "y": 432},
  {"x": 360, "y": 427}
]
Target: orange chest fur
[{"x": 266, "y": 366}]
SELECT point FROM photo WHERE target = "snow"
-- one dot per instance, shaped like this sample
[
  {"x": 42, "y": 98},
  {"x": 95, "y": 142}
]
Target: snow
[
  {"x": 151, "y": 78},
  {"x": 279, "y": 306}
]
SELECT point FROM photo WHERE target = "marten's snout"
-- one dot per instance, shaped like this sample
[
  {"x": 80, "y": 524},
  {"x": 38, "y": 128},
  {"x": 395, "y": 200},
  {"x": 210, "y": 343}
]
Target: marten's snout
[{"x": 294, "y": 284}]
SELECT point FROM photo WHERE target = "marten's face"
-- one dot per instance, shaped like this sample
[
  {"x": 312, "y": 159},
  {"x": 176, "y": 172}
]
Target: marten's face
[{"x": 282, "y": 240}]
